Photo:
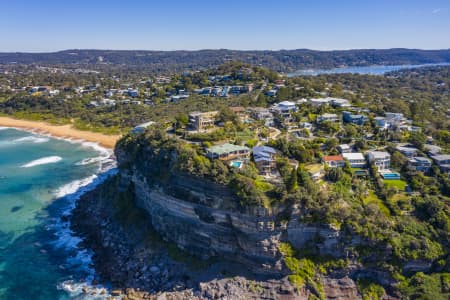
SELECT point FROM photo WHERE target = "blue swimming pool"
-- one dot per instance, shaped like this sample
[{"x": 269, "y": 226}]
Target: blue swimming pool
[
  {"x": 391, "y": 176},
  {"x": 236, "y": 164}
]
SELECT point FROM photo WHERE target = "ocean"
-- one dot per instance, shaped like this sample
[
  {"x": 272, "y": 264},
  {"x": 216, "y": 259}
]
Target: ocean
[{"x": 40, "y": 180}]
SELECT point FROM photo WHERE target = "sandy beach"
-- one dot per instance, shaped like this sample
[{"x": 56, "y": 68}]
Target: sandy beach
[{"x": 62, "y": 131}]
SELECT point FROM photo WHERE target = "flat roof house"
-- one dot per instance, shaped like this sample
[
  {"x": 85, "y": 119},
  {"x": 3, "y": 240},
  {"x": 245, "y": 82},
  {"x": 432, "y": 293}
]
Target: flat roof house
[
  {"x": 443, "y": 159},
  {"x": 227, "y": 152},
  {"x": 319, "y": 101},
  {"x": 334, "y": 161},
  {"x": 356, "y": 160},
  {"x": 348, "y": 117},
  {"x": 407, "y": 151},
  {"x": 261, "y": 113},
  {"x": 380, "y": 158},
  {"x": 339, "y": 102},
  {"x": 433, "y": 149},
  {"x": 328, "y": 118},
  {"x": 344, "y": 148},
  {"x": 264, "y": 158},
  {"x": 420, "y": 164},
  {"x": 201, "y": 121},
  {"x": 283, "y": 112}
]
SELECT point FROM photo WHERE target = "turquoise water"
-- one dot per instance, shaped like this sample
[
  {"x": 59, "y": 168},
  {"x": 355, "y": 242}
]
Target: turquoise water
[
  {"x": 40, "y": 179},
  {"x": 236, "y": 164},
  {"x": 371, "y": 70}
]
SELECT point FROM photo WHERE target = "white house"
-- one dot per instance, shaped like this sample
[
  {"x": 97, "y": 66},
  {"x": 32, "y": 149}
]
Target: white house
[
  {"x": 328, "y": 118},
  {"x": 380, "y": 158},
  {"x": 356, "y": 160}
]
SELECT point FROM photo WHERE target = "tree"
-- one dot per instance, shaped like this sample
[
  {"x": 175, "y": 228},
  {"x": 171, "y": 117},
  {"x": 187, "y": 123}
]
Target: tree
[{"x": 292, "y": 184}]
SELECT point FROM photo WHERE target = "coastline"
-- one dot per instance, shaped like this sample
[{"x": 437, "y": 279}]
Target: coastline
[{"x": 61, "y": 131}]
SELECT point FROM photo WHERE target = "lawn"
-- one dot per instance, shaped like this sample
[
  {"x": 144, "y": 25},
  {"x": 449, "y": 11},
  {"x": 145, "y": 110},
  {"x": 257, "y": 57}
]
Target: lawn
[{"x": 397, "y": 183}]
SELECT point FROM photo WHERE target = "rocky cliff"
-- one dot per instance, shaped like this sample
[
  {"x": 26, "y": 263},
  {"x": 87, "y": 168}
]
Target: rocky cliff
[{"x": 202, "y": 219}]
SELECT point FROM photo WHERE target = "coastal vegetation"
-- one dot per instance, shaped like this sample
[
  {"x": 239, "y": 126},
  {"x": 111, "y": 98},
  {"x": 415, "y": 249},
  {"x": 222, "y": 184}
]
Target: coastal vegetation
[{"x": 397, "y": 226}]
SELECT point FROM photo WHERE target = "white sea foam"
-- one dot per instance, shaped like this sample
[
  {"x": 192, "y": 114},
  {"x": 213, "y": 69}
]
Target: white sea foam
[
  {"x": 66, "y": 239},
  {"x": 42, "y": 161},
  {"x": 88, "y": 161},
  {"x": 3, "y": 128},
  {"x": 103, "y": 151},
  {"x": 32, "y": 139}
]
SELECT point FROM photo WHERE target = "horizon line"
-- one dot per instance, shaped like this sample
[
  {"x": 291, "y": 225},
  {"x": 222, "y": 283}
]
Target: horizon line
[{"x": 216, "y": 49}]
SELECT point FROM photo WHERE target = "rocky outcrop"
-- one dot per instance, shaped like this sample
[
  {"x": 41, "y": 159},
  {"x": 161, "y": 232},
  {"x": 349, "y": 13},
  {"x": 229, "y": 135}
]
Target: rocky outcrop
[
  {"x": 202, "y": 227},
  {"x": 129, "y": 255},
  {"x": 340, "y": 289}
]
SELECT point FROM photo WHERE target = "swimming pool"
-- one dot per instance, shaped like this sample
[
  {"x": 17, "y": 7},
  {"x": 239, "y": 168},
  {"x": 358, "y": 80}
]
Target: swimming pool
[
  {"x": 236, "y": 164},
  {"x": 391, "y": 176}
]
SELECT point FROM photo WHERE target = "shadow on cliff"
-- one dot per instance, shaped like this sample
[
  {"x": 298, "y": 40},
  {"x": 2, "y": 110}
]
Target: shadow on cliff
[{"x": 129, "y": 253}]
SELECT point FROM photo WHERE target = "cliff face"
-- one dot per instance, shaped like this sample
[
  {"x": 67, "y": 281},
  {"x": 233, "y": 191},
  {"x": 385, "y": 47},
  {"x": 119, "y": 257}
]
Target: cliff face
[{"x": 200, "y": 217}]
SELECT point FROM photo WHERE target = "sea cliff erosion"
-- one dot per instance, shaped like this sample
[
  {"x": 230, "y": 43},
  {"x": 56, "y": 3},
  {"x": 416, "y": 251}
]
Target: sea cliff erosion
[{"x": 160, "y": 230}]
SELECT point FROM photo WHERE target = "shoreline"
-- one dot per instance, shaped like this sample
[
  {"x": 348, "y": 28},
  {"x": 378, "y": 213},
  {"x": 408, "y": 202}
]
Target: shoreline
[{"x": 61, "y": 131}]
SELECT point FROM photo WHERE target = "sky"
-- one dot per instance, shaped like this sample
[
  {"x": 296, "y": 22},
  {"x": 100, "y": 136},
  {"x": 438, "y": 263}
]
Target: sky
[{"x": 50, "y": 25}]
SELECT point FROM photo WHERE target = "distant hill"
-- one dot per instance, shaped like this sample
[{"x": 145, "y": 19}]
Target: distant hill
[{"x": 282, "y": 60}]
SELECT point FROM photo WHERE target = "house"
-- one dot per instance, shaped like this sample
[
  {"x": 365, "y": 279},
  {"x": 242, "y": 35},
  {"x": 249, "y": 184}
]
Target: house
[
  {"x": 319, "y": 101},
  {"x": 334, "y": 161},
  {"x": 284, "y": 107},
  {"x": 348, "y": 117},
  {"x": 227, "y": 152},
  {"x": 391, "y": 120},
  {"x": 344, "y": 148},
  {"x": 178, "y": 98},
  {"x": 442, "y": 159},
  {"x": 264, "y": 158},
  {"x": 141, "y": 127},
  {"x": 271, "y": 93},
  {"x": 315, "y": 171},
  {"x": 261, "y": 113},
  {"x": 283, "y": 112},
  {"x": 420, "y": 164},
  {"x": 381, "y": 122},
  {"x": 241, "y": 112},
  {"x": 201, "y": 121},
  {"x": 381, "y": 159},
  {"x": 433, "y": 149},
  {"x": 133, "y": 93},
  {"x": 356, "y": 160},
  {"x": 306, "y": 125},
  {"x": 407, "y": 150},
  {"x": 328, "y": 118},
  {"x": 338, "y": 102}
]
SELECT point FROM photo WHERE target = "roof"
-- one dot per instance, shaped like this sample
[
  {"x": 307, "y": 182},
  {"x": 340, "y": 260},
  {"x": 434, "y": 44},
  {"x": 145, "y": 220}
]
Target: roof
[
  {"x": 433, "y": 148},
  {"x": 333, "y": 158},
  {"x": 344, "y": 146},
  {"x": 353, "y": 156},
  {"x": 226, "y": 148},
  {"x": 286, "y": 103},
  {"x": 378, "y": 154},
  {"x": 237, "y": 109},
  {"x": 421, "y": 159},
  {"x": 406, "y": 149},
  {"x": 261, "y": 150},
  {"x": 327, "y": 115},
  {"x": 441, "y": 157}
]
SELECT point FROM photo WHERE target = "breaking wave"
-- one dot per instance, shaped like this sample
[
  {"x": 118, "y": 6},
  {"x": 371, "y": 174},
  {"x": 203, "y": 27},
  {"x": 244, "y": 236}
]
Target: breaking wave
[{"x": 42, "y": 161}]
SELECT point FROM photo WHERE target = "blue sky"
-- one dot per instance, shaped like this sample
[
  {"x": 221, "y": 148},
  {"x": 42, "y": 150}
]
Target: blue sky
[{"x": 50, "y": 25}]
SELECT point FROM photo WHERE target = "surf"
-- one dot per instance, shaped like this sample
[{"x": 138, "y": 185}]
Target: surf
[{"x": 42, "y": 161}]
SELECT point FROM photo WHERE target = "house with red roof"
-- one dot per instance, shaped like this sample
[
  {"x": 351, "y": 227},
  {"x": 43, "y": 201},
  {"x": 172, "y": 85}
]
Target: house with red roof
[{"x": 334, "y": 161}]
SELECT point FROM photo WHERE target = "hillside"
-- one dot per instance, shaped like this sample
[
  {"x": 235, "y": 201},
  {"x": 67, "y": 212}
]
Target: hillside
[{"x": 282, "y": 60}]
